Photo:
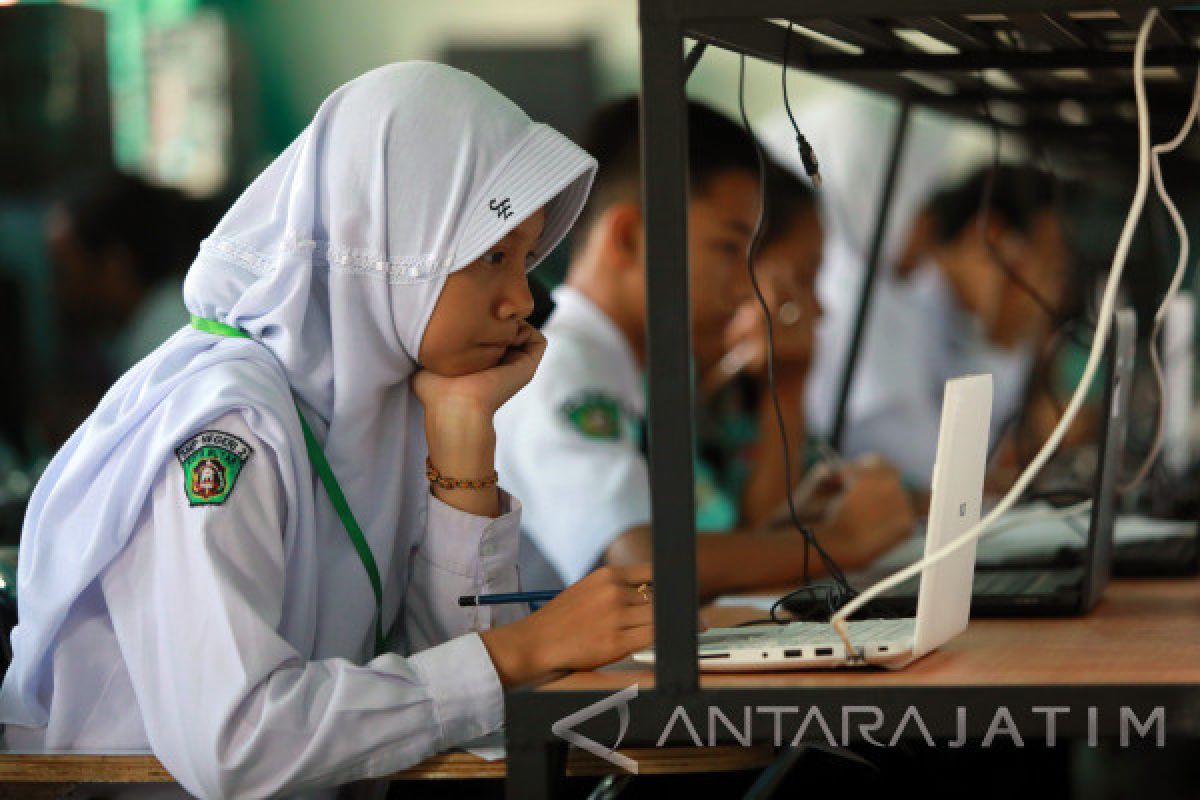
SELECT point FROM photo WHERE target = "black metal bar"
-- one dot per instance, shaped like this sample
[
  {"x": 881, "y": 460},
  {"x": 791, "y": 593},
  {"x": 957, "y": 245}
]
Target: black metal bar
[
  {"x": 859, "y": 33},
  {"x": 1014, "y": 60},
  {"x": 946, "y": 712},
  {"x": 1043, "y": 100},
  {"x": 760, "y": 39},
  {"x": 960, "y": 33},
  {"x": 536, "y": 758},
  {"x": 765, "y": 41},
  {"x": 899, "y": 134},
  {"x": 669, "y": 348},
  {"x": 768, "y": 781},
  {"x": 1166, "y": 32},
  {"x": 693, "y": 58},
  {"x": 844, "y": 9},
  {"x": 537, "y": 773},
  {"x": 1053, "y": 30}
]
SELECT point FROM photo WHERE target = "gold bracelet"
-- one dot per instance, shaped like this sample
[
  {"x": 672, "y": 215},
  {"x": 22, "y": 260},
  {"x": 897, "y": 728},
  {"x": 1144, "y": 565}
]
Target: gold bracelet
[{"x": 444, "y": 482}]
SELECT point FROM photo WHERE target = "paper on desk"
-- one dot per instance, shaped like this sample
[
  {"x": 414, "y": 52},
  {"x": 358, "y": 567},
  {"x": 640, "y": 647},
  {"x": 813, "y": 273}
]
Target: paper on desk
[
  {"x": 1032, "y": 539},
  {"x": 761, "y": 602},
  {"x": 1136, "y": 528},
  {"x": 489, "y": 747},
  {"x": 1041, "y": 538}
]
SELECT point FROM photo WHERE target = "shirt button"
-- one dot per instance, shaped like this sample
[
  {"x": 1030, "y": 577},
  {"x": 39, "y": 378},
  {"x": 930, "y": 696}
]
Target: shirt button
[{"x": 487, "y": 548}]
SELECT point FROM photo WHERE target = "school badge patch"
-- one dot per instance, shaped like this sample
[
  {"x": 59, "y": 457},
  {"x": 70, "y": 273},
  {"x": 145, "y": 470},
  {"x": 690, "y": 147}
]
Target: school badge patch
[
  {"x": 595, "y": 415},
  {"x": 211, "y": 461}
]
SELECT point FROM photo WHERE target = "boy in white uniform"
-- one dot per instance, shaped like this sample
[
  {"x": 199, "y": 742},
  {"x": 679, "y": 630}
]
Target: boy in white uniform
[{"x": 569, "y": 442}]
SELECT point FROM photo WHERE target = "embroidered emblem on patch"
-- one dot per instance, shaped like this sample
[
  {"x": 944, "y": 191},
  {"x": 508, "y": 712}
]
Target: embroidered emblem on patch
[
  {"x": 211, "y": 461},
  {"x": 595, "y": 415}
]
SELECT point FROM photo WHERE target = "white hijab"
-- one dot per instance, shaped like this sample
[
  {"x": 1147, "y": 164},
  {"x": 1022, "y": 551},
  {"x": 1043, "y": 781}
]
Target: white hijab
[
  {"x": 851, "y": 132},
  {"x": 333, "y": 260}
]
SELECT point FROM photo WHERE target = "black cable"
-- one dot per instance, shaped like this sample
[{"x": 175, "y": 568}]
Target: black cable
[
  {"x": 1041, "y": 377},
  {"x": 824, "y": 197},
  {"x": 807, "y": 155},
  {"x": 1052, "y": 350},
  {"x": 755, "y": 243},
  {"x": 824, "y": 601},
  {"x": 809, "y": 160},
  {"x": 1017, "y": 421}
]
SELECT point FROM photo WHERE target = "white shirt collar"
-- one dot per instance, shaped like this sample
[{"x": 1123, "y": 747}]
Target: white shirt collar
[{"x": 575, "y": 310}]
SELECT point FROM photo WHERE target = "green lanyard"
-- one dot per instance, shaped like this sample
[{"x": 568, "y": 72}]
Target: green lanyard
[{"x": 328, "y": 480}]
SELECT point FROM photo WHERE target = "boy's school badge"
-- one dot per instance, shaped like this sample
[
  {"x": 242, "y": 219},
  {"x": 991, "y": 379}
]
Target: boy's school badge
[
  {"x": 595, "y": 415},
  {"x": 211, "y": 461}
]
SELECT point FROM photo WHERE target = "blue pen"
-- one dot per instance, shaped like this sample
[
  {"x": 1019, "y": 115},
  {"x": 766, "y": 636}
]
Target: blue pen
[{"x": 507, "y": 597}]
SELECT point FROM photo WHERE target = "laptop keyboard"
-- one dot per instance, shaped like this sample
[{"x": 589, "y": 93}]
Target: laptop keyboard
[
  {"x": 803, "y": 633},
  {"x": 1174, "y": 549},
  {"x": 1017, "y": 582}
]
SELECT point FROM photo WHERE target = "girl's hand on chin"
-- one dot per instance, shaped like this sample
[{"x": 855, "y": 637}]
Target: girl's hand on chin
[{"x": 485, "y": 391}]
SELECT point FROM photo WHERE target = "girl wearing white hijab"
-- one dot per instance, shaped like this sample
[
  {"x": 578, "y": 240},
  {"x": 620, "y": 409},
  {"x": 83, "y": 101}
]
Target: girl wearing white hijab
[{"x": 272, "y": 615}]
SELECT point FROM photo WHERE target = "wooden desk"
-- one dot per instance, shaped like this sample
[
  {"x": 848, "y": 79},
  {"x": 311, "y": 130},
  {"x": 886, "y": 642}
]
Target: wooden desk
[
  {"x": 1137, "y": 652},
  {"x": 1142, "y": 632},
  {"x": 71, "y": 768}
]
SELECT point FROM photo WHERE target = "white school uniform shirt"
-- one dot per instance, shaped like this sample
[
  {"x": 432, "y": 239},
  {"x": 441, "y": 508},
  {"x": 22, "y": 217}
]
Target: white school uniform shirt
[
  {"x": 568, "y": 444},
  {"x": 184, "y": 582},
  {"x": 919, "y": 338},
  {"x": 182, "y": 647}
]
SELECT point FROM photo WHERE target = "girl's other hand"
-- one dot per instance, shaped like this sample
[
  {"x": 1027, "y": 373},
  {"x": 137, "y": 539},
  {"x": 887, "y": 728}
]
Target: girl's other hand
[{"x": 602, "y": 618}]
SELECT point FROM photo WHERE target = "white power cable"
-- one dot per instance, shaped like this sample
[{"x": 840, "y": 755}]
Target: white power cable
[
  {"x": 1176, "y": 280},
  {"x": 1103, "y": 325}
]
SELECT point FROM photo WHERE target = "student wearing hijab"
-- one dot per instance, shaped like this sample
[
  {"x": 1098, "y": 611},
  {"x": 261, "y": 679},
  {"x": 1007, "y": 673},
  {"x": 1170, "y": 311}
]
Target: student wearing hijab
[
  {"x": 248, "y": 558},
  {"x": 850, "y": 130},
  {"x": 571, "y": 441},
  {"x": 943, "y": 306}
]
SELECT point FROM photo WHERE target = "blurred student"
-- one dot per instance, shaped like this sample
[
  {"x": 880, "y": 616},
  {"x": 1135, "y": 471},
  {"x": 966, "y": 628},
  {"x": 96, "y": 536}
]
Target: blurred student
[
  {"x": 571, "y": 443},
  {"x": 741, "y": 451},
  {"x": 248, "y": 558},
  {"x": 851, "y": 131},
  {"x": 960, "y": 300},
  {"x": 919, "y": 330},
  {"x": 121, "y": 247}
]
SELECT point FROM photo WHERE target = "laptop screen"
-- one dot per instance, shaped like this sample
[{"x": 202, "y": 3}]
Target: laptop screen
[{"x": 1119, "y": 362}]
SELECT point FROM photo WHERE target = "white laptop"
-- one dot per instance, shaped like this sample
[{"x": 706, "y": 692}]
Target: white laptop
[{"x": 944, "y": 599}]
